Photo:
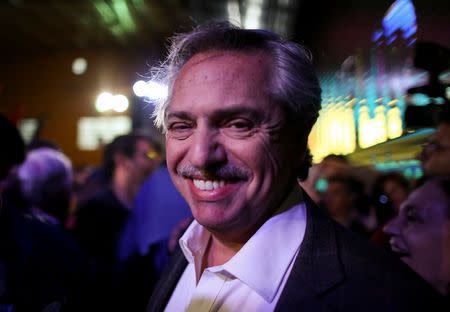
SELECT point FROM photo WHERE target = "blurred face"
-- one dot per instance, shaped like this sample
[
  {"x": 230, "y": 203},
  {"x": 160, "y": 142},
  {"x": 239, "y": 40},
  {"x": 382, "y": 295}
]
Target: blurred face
[
  {"x": 228, "y": 150},
  {"x": 419, "y": 234},
  {"x": 396, "y": 193},
  {"x": 435, "y": 156},
  {"x": 337, "y": 200},
  {"x": 144, "y": 160},
  {"x": 333, "y": 167}
]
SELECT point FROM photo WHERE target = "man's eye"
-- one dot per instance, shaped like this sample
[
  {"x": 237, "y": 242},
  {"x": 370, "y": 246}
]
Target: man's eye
[
  {"x": 178, "y": 126},
  {"x": 238, "y": 128},
  {"x": 179, "y": 130},
  {"x": 413, "y": 218},
  {"x": 240, "y": 124}
]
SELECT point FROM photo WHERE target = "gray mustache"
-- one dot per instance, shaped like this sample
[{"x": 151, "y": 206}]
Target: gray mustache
[{"x": 224, "y": 172}]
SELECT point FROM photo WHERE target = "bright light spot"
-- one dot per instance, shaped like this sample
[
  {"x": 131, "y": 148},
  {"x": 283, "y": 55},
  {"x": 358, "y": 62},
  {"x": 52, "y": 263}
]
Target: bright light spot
[
  {"x": 152, "y": 89},
  {"x": 156, "y": 90},
  {"x": 234, "y": 14},
  {"x": 400, "y": 16},
  {"x": 253, "y": 14},
  {"x": 139, "y": 88},
  {"x": 119, "y": 103},
  {"x": 104, "y": 102},
  {"x": 79, "y": 66},
  {"x": 253, "y": 17}
]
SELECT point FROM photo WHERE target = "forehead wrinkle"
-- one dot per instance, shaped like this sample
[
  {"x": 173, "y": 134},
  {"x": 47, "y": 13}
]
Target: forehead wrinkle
[
  {"x": 190, "y": 73},
  {"x": 237, "y": 110}
]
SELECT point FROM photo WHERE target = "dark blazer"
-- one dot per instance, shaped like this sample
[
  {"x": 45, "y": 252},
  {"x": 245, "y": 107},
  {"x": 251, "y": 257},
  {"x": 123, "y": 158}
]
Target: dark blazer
[{"x": 335, "y": 270}]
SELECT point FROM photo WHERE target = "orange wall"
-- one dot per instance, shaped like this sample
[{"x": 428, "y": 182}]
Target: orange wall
[{"x": 44, "y": 85}]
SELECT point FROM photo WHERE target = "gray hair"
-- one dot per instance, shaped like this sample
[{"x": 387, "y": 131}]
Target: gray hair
[
  {"x": 44, "y": 173},
  {"x": 294, "y": 82}
]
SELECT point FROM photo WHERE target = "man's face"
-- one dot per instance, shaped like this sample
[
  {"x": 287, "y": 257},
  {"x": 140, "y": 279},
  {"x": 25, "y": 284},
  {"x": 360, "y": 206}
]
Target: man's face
[
  {"x": 435, "y": 157},
  {"x": 396, "y": 193},
  {"x": 228, "y": 149},
  {"x": 337, "y": 200},
  {"x": 142, "y": 164},
  {"x": 418, "y": 232}
]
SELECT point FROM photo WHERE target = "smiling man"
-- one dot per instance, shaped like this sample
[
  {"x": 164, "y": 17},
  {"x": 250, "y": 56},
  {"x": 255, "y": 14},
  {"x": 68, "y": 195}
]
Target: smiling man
[
  {"x": 420, "y": 234},
  {"x": 241, "y": 105}
]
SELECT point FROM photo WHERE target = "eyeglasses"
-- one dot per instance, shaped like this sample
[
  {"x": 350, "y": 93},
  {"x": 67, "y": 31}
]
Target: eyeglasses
[
  {"x": 432, "y": 146},
  {"x": 152, "y": 155}
]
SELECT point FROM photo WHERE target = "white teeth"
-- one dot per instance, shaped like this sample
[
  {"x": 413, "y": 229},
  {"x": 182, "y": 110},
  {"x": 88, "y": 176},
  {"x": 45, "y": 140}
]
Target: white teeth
[
  {"x": 200, "y": 184},
  {"x": 208, "y": 185}
]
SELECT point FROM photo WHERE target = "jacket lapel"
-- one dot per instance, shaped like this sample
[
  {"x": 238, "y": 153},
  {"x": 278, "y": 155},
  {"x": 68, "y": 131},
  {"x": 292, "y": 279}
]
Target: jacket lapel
[{"x": 317, "y": 267}]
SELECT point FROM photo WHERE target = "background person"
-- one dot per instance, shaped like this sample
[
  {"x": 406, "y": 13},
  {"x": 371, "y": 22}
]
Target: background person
[
  {"x": 41, "y": 268},
  {"x": 99, "y": 219},
  {"x": 344, "y": 197},
  {"x": 420, "y": 234},
  {"x": 45, "y": 179},
  {"x": 436, "y": 154}
]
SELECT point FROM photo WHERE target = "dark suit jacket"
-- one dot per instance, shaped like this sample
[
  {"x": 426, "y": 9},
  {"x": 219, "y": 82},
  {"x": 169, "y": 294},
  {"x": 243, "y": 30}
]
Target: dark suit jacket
[{"x": 335, "y": 270}]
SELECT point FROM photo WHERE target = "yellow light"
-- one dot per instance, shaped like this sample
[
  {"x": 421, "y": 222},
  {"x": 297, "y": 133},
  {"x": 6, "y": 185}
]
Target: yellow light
[
  {"x": 395, "y": 125},
  {"x": 333, "y": 133},
  {"x": 371, "y": 131}
]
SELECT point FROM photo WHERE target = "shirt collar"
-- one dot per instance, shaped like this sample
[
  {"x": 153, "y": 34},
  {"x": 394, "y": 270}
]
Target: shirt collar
[{"x": 264, "y": 260}]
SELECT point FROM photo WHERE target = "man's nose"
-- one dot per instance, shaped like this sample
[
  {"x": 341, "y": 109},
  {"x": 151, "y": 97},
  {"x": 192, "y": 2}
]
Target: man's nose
[
  {"x": 207, "y": 150},
  {"x": 393, "y": 226}
]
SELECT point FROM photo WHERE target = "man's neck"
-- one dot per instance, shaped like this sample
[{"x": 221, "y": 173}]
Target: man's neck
[
  {"x": 217, "y": 253},
  {"x": 222, "y": 246}
]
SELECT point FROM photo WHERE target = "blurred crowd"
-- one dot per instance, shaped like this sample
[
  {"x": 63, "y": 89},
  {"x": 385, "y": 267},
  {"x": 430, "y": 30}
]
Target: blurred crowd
[{"x": 97, "y": 237}]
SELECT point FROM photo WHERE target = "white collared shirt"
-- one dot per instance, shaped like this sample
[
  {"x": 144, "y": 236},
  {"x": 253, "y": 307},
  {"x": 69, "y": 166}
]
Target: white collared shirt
[{"x": 253, "y": 279}]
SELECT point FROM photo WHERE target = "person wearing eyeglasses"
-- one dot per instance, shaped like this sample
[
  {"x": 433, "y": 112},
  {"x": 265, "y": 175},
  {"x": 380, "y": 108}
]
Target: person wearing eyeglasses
[
  {"x": 128, "y": 160},
  {"x": 435, "y": 155}
]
